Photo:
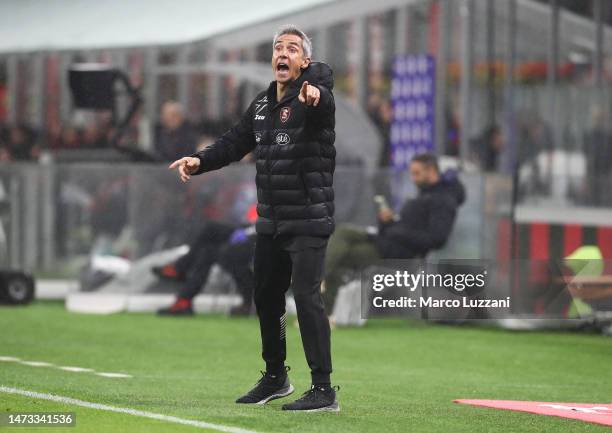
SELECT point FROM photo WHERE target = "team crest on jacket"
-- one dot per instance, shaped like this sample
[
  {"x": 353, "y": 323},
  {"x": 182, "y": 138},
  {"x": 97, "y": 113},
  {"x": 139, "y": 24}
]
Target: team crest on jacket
[{"x": 285, "y": 114}]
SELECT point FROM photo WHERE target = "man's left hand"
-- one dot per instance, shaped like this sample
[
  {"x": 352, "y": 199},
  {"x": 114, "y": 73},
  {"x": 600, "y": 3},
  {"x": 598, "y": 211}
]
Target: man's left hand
[
  {"x": 386, "y": 215},
  {"x": 309, "y": 95}
]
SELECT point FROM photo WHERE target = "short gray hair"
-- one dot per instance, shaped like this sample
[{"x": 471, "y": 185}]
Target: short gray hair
[{"x": 290, "y": 29}]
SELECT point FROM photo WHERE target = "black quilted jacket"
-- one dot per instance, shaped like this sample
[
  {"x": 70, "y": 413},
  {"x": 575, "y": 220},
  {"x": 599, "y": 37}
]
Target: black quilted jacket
[{"x": 295, "y": 156}]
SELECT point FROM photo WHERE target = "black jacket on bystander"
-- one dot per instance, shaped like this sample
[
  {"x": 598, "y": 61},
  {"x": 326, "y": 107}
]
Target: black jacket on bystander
[{"x": 425, "y": 222}]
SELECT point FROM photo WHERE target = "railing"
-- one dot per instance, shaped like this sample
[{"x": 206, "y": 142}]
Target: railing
[{"x": 54, "y": 216}]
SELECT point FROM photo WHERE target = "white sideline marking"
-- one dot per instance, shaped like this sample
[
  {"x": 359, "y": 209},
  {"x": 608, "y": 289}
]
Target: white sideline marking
[
  {"x": 141, "y": 413},
  {"x": 36, "y": 363},
  {"x": 9, "y": 359},
  {"x": 76, "y": 369},
  {"x": 113, "y": 375},
  {"x": 64, "y": 368}
]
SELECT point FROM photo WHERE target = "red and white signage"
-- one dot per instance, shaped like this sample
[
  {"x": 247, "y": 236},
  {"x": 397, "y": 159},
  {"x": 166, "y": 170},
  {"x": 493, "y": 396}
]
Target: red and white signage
[{"x": 589, "y": 412}]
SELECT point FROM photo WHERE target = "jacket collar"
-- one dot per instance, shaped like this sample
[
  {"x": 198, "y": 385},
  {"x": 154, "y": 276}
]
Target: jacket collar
[{"x": 292, "y": 91}]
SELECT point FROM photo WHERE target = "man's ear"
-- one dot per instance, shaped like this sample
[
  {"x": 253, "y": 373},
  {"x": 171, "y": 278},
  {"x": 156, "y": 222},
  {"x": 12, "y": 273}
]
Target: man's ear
[{"x": 305, "y": 63}]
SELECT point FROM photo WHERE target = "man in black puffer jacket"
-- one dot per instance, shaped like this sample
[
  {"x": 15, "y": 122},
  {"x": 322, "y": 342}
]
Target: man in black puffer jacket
[{"x": 290, "y": 129}]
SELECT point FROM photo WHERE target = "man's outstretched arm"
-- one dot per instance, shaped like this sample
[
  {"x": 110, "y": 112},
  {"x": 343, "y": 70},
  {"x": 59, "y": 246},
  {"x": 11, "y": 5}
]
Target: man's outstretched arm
[{"x": 231, "y": 146}]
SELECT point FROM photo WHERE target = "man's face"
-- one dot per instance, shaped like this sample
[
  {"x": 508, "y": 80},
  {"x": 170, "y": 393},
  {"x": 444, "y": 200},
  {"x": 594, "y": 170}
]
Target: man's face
[
  {"x": 171, "y": 116},
  {"x": 288, "y": 58},
  {"x": 421, "y": 174}
]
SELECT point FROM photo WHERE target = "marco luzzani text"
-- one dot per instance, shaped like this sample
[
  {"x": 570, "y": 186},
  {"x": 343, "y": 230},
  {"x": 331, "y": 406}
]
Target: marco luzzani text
[{"x": 457, "y": 283}]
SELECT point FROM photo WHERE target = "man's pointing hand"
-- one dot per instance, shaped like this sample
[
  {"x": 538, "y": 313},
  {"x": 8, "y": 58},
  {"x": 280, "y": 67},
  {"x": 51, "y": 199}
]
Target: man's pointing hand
[
  {"x": 186, "y": 167},
  {"x": 309, "y": 95}
]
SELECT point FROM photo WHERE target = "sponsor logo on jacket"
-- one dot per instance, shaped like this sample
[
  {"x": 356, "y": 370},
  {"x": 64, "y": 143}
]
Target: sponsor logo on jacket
[
  {"x": 259, "y": 108},
  {"x": 282, "y": 138}
]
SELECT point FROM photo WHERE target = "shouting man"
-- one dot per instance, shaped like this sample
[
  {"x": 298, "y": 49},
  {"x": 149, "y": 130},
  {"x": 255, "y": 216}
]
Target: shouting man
[{"x": 290, "y": 129}]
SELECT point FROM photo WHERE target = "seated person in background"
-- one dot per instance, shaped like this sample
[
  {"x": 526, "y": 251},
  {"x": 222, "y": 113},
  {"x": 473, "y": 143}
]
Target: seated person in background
[
  {"x": 423, "y": 224},
  {"x": 18, "y": 143},
  {"x": 230, "y": 244},
  {"x": 231, "y": 247},
  {"x": 175, "y": 136}
]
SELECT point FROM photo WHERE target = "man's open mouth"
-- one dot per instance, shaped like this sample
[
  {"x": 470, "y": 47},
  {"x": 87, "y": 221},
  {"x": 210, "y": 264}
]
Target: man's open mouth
[{"x": 281, "y": 66}]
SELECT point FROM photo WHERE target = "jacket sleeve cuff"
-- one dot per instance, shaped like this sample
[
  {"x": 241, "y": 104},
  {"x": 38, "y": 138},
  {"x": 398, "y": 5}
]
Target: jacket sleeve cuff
[{"x": 201, "y": 168}]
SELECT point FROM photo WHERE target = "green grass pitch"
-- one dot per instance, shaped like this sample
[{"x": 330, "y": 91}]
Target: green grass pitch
[{"x": 395, "y": 376}]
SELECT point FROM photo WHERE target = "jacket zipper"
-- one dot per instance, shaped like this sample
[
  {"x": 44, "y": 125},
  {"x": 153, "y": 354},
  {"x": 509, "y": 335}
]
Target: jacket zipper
[
  {"x": 268, "y": 168},
  {"x": 268, "y": 129}
]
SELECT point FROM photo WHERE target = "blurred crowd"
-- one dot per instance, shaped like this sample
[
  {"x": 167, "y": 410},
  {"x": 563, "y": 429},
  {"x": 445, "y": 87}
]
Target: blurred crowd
[
  {"x": 22, "y": 142},
  {"x": 18, "y": 143},
  {"x": 175, "y": 136},
  {"x": 532, "y": 136},
  {"x": 489, "y": 150}
]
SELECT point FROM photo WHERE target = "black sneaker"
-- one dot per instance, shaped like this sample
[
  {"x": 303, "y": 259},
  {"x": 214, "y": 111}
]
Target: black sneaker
[
  {"x": 316, "y": 399},
  {"x": 269, "y": 387},
  {"x": 168, "y": 272},
  {"x": 181, "y": 307}
]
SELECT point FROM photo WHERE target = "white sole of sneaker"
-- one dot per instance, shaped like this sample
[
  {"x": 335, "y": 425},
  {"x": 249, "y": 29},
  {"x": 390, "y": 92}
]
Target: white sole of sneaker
[
  {"x": 333, "y": 408},
  {"x": 279, "y": 395}
]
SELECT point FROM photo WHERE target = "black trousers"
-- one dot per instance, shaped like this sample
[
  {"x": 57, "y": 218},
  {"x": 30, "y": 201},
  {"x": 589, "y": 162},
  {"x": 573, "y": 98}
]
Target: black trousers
[
  {"x": 237, "y": 259},
  {"x": 212, "y": 245},
  {"x": 203, "y": 253},
  {"x": 280, "y": 263}
]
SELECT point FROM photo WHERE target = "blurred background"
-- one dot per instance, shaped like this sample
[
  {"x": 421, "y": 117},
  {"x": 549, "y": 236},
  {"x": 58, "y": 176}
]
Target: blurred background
[{"x": 513, "y": 94}]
